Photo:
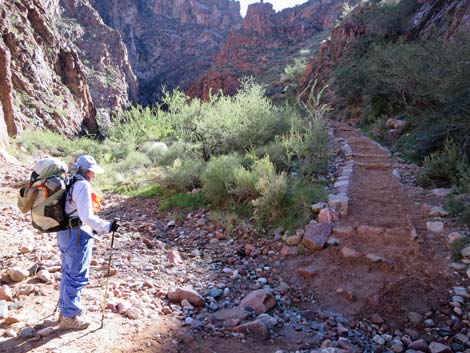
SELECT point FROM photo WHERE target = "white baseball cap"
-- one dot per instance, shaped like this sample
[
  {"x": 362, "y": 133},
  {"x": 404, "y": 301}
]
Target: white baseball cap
[{"x": 87, "y": 162}]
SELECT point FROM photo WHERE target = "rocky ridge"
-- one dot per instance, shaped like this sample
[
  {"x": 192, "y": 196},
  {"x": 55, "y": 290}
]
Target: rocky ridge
[
  {"x": 43, "y": 81},
  {"x": 266, "y": 42},
  {"x": 170, "y": 43}
]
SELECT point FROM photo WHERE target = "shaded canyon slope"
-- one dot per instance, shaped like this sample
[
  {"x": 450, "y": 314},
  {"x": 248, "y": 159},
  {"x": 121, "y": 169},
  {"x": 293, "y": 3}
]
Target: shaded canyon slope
[
  {"x": 170, "y": 43},
  {"x": 266, "y": 42},
  {"x": 59, "y": 63},
  {"x": 42, "y": 81},
  {"x": 440, "y": 19}
]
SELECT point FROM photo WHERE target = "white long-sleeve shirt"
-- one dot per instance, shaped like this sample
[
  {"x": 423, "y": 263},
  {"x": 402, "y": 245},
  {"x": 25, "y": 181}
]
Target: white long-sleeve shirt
[{"x": 79, "y": 203}]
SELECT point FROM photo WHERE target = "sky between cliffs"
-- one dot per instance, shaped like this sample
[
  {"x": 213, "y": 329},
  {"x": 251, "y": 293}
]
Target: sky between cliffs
[{"x": 278, "y": 4}]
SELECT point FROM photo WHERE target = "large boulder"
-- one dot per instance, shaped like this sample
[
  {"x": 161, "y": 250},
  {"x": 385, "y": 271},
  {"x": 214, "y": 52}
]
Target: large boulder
[
  {"x": 316, "y": 235},
  {"x": 181, "y": 293},
  {"x": 259, "y": 300}
]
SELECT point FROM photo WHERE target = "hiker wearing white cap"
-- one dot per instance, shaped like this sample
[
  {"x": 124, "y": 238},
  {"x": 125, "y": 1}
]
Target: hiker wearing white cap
[{"x": 76, "y": 242}]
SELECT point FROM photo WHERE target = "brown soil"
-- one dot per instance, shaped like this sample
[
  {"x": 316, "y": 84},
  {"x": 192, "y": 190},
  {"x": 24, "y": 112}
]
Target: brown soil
[{"x": 413, "y": 274}]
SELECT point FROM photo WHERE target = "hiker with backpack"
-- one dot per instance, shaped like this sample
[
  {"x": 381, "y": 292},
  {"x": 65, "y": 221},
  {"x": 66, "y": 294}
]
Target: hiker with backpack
[
  {"x": 76, "y": 242},
  {"x": 66, "y": 205}
]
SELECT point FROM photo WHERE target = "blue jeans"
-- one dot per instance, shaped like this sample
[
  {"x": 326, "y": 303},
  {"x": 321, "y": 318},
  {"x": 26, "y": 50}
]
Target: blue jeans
[{"x": 76, "y": 248}]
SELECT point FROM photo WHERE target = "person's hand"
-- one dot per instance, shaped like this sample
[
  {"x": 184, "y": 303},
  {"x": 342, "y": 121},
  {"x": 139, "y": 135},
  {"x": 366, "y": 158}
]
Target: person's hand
[{"x": 114, "y": 225}]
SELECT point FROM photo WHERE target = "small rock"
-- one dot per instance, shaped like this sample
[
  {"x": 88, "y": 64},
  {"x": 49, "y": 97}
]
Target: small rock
[
  {"x": 419, "y": 345},
  {"x": 317, "y": 207},
  {"x": 438, "y": 211},
  {"x": 255, "y": 329},
  {"x": 174, "y": 257},
  {"x": 435, "y": 226},
  {"x": 349, "y": 252},
  {"x": 237, "y": 313},
  {"x": 219, "y": 235},
  {"x": 44, "y": 276},
  {"x": 268, "y": 320},
  {"x": 289, "y": 251},
  {"x": 377, "y": 319},
  {"x": 339, "y": 202},
  {"x": 441, "y": 192},
  {"x": 414, "y": 317},
  {"x": 379, "y": 340},
  {"x": 307, "y": 272},
  {"x": 134, "y": 313},
  {"x": 186, "y": 304},
  {"x": 3, "y": 309},
  {"x": 171, "y": 224},
  {"x": 46, "y": 331},
  {"x": 262, "y": 280},
  {"x": 259, "y": 300},
  {"x": 465, "y": 252},
  {"x": 6, "y": 293},
  {"x": 460, "y": 291},
  {"x": 28, "y": 332},
  {"x": 17, "y": 274},
  {"x": 454, "y": 236},
  {"x": 293, "y": 240},
  {"x": 316, "y": 236},
  {"x": 436, "y": 347},
  {"x": 26, "y": 249},
  {"x": 328, "y": 215},
  {"x": 190, "y": 294}
]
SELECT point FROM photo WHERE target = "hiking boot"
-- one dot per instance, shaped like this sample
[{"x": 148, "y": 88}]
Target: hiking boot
[{"x": 78, "y": 322}]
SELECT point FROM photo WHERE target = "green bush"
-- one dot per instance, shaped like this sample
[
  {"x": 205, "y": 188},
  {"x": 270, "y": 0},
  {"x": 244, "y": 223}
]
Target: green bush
[
  {"x": 138, "y": 125},
  {"x": 184, "y": 202},
  {"x": 219, "y": 178},
  {"x": 442, "y": 168},
  {"x": 184, "y": 174},
  {"x": 295, "y": 70},
  {"x": 228, "y": 124},
  {"x": 423, "y": 80}
]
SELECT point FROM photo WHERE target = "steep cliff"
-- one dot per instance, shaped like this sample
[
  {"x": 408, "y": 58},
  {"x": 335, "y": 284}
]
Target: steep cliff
[
  {"x": 267, "y": 41},
  {"x": 42, "y": 81},
  {"x": 107, "y": 68},
  {"x": 170, "y": 42}
]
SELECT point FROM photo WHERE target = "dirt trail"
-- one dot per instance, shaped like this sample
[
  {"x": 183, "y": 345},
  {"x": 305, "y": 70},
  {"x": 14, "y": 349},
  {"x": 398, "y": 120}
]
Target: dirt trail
[{"x": 381, "y": 265}]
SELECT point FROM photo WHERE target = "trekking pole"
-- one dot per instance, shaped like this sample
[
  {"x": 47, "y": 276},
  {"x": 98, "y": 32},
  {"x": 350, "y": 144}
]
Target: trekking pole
[{"x": 107, "y": 281}]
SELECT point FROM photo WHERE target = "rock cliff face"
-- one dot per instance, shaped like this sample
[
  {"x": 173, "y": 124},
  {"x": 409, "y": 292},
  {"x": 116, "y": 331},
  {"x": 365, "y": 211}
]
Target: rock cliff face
[
  {"x": 266, "y": 42},
  {"x": 59, "y": 62},
  {"x": 107, "y": 68},
  {"x": 42, "y": 82},
  {"x": 170, "y": 42},
  {"x": 434, "y": 18}
]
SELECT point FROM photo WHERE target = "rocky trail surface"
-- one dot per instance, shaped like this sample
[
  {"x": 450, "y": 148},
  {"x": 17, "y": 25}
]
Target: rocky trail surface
[{"x": 371, "y": 273}]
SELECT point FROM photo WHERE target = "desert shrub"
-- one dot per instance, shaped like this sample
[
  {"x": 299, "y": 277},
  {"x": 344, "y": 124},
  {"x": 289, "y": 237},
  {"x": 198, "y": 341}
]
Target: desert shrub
[
  {"x": 272, "y": 189},
  {"x": 219, "y": 177},
  {"x": 277, "y": 152},
  {"x": 228, "y": 124},
  {"x": 138, "y": 125},
  {"x": 145, "y": 191},
  {"x": 296, "y": 69},
  {"x": 423, "y": 80},
  {"x": 183, "y": 201},
  {"x": 244, "y": 186},
  {"x": 442, "y": 168},
  {"x": 184, "y": 174},
  {"x": 300, "y": 196}
]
